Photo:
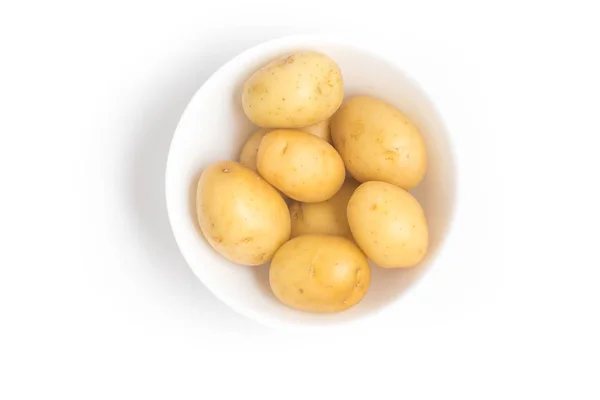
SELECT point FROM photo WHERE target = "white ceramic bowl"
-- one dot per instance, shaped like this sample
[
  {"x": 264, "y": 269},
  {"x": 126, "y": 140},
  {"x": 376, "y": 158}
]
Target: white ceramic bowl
[{"x": 214, "y": 127}]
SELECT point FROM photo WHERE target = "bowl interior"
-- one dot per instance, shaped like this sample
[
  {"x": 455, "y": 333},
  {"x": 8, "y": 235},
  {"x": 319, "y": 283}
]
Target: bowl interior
[{"x": 214, "y": 128}]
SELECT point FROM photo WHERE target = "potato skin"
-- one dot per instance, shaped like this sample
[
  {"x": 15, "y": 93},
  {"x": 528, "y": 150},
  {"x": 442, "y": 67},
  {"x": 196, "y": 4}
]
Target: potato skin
[
  {"x": 388, "y": 224},
  {"x": 302, "y": 166},
  {"x": 379, "y": 143},
  {"x": 327, "y": 217},
  {"x": 319, "y": 273},
  {"x": 241, "y": 216},
  {"x": 250, "y": 149},
  {"x": 293, "y": 91},
  {"x": 320, "y": 129}
]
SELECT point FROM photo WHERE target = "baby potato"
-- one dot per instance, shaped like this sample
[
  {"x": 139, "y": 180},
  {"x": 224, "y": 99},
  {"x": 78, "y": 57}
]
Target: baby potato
[
  {"x": 250, "y": 149},
  {"x": 320, "y": 129},
  {"x": 327, "y": 217},
  {"x": 302, "y": 166},
  {"x": 319, "y": 273},
  {"x": 379, "y": 143},
  {"x": 241, "y": 216},
  {"x": 388, "y": 224},
  {"x": 294, "y": 91}
]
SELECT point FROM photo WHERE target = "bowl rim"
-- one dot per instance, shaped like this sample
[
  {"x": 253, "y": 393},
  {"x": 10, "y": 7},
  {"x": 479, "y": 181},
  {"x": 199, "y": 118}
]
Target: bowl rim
[{"x": 288, "y": 40}]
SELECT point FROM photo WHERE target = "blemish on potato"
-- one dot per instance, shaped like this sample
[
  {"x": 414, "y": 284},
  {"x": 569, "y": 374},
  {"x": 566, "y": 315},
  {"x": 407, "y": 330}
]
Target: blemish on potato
[
  {"x": 225, "y": 170},
  {"x": 301, "y": 291},
  {"x": 374, "y": 207},
  {"x": 298, "y": 212}
]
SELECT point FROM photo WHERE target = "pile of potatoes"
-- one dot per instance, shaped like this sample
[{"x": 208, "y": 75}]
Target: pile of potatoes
[{"x": 320, "y": 187}]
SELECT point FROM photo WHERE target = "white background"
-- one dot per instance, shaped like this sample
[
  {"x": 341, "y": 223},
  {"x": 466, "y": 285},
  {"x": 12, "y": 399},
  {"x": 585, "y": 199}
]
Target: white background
[{"x": 96, "y": 302}]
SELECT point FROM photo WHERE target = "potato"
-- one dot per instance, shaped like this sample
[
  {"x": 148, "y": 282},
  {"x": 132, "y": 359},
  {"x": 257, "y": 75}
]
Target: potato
[
  {"x": 242, "y": 217},
  {"x": 319, "y": 273},
  {"x": 327, "y": 217},
  {"x": 320, "y": 129},
  {"x": 250, "y": 149},
  {"x": 388, "y": 224},
  {"x": 293, "y": 91},
  {"x": 302, "y": 166},
  {"x": 379, "y": 143}
]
